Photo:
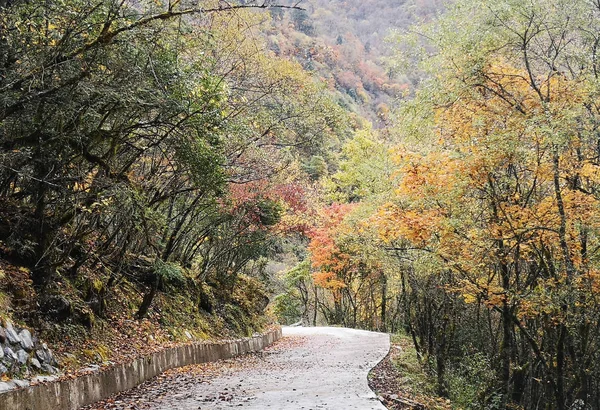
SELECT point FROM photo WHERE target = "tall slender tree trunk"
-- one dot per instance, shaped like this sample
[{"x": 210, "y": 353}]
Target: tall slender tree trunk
[
  {"x": 40, "y": 272},
  {"x": 316, "y": 294},
  {"x": 383, "y": 302},
  {"x": 570, "y": 272}
]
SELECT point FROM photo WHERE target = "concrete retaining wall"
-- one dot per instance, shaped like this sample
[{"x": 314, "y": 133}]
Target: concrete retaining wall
[{"x": 84, "y": 390}]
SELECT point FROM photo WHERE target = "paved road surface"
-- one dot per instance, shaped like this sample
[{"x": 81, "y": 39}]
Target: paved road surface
[{"x": 310, "y": 368}]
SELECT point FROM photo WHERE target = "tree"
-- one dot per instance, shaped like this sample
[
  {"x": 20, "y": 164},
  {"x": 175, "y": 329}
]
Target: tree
[
  {"x": 299, "y": 301},
  {"x": 365, "y": 169},
  {"x": 302, "y": 22},
  {"x": 497, "y": 192},
  {"x": 119, "y": 152}
]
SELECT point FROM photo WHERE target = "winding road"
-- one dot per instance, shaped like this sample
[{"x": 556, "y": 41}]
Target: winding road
[{"x": 309, "y": 368}]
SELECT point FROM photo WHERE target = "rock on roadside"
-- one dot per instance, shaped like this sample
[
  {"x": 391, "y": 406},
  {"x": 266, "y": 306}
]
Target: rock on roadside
[{"x": 21, "y": 354}]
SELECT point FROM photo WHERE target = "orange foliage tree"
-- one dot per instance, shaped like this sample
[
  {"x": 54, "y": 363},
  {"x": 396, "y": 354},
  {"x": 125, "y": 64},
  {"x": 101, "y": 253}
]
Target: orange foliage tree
[
  {"x": 499, "y": 208},
  {"x": 333, "y": 266}
]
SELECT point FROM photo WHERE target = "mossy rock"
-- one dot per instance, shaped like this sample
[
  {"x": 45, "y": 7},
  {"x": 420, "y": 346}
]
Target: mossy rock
[{"x": 99, "y": 353}]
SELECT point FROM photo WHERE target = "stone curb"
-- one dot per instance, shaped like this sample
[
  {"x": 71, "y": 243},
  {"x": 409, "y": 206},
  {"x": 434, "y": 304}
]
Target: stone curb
[{"x": 88, "y": 389}]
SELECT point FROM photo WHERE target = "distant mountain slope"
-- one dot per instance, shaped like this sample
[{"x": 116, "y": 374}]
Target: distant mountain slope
[{"x": 343, "y": 42}]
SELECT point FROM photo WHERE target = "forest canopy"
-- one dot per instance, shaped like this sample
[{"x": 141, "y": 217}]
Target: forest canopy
[
  {"x": 487, "y": 232},
  {"x": 147, "y": 144},
  {"x": 412, "y": 166}
]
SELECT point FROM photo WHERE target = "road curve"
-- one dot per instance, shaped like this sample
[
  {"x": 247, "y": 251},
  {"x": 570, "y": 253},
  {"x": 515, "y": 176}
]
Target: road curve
[
  {"x": 310, "y": 368},
  {"x": 330, "y": 371}
]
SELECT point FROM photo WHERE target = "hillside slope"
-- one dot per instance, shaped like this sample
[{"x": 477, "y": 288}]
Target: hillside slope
[{"x": 344, "y": 43}]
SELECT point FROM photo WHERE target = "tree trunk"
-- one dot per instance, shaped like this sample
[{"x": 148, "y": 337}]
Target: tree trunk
[
  {"x": 316, "y": 301},
  {"x": 148, "y": 298},
  {"x": 383, "y": 302},
  {"x": 40, "y": 272}
]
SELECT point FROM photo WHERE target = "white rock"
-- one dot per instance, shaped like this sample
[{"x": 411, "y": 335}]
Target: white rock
[
  {"x": 22, "y": 356},
  {"x": 42, "y": 356},
  {"x": 36, "y": 363},
  {"x": 9, "y": 353},
  {"x": 11, "y": 334},
  {"x": 49, "y": 369},
  {"x": 26, "y": 342}
]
